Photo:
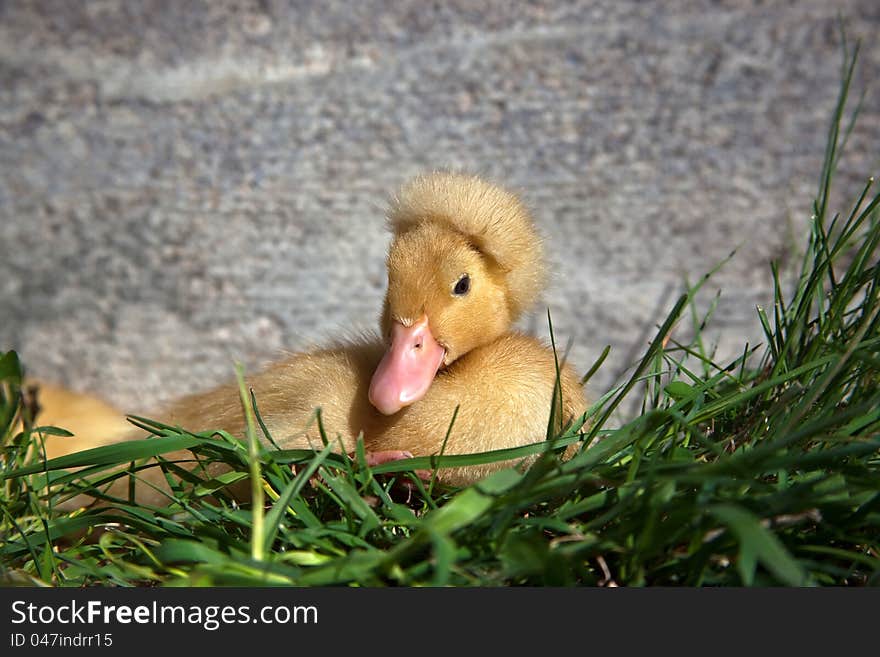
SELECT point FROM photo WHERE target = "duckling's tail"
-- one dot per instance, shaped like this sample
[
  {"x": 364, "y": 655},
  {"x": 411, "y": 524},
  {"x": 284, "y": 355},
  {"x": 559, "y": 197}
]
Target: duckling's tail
[{"x": 92, "y": 421}]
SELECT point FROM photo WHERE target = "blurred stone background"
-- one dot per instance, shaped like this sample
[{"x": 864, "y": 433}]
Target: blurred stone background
[{"x": 187, "y": 183}]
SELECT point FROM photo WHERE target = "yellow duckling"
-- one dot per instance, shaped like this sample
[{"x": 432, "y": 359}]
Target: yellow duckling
[{"x": 464, "y": 262}]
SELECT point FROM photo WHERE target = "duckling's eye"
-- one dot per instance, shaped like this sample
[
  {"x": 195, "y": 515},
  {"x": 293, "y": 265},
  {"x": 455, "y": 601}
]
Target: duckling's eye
[{"x": 463, "y": 286}]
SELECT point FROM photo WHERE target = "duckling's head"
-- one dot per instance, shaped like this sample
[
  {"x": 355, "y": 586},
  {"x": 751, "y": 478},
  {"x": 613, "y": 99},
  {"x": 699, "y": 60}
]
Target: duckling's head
[{"x": 464, "y": 262}]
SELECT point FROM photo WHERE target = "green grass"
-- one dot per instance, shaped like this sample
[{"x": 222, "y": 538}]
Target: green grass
[{"x": 760, "y": 471}]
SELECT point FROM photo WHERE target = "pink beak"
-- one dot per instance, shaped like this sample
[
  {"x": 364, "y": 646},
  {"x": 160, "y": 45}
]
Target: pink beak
[{"x": 407, "y": 369}]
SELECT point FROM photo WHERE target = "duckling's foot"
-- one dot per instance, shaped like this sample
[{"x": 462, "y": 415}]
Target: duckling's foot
[{"x": 378, "y": 458}]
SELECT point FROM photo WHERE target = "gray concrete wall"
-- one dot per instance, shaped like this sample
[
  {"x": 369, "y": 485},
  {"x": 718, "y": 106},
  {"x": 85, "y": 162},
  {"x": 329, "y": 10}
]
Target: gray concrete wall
[{"x": 186, "y": 183}]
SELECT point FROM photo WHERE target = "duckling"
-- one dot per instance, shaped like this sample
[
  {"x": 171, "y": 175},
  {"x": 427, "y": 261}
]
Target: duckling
[{"x": 464, "y": 262}]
